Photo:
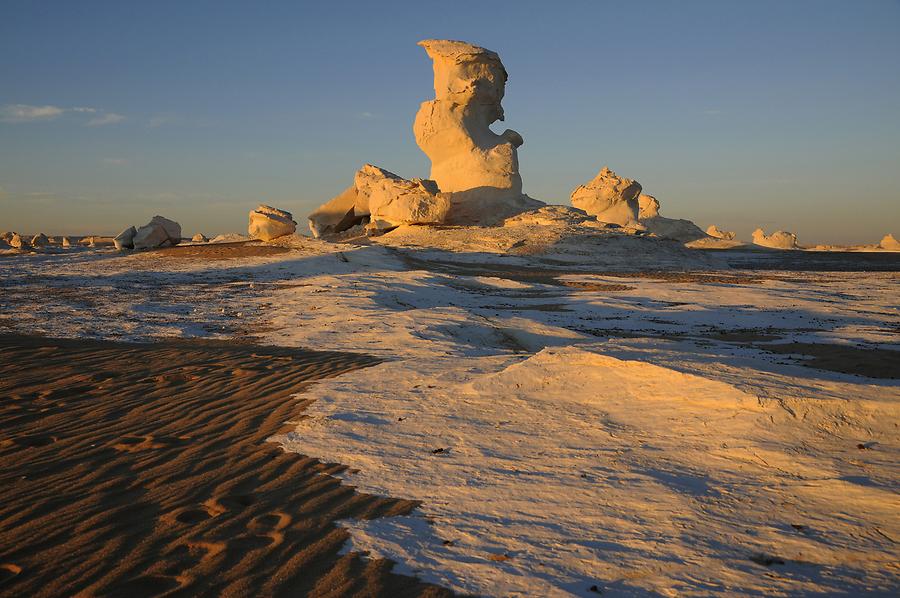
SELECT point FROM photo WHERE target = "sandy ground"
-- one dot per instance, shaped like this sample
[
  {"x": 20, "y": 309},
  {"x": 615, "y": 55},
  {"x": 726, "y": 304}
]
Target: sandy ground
[{"x": 142, "y": 470}]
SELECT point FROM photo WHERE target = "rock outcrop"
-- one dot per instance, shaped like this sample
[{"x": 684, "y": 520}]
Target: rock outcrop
[
  {"x": 40, "y": 240},
  {"x": 393, "y": 200},
  {"x": 713, "y": 231},
  {"x": 125, "y": 239},
  {"x": 610, "y": 198},
  {"x": 477, "y": 168},
  {"x": 18, "y": 242},
  {"x": 199, "y": 238},
  {"x": 159, "y": 232},
  {"x": 230, "y": 238},
  {"x": 267, "y": 223},
  {"x": 648, "y": 207},
  {"x": 66, "y": 242},
  {"x": 889, "y": 242},
  {"x": 7, "y": 236},
  {"x": 550, "y": 216},
  {"x": 339, "y": 214},
  {"x": 777, "y": 240}
]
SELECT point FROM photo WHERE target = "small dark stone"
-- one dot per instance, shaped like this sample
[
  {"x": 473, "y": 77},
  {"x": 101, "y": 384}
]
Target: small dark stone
[
  {"x": 437, "y": 450},
  {"x": 595, "y": 589}
]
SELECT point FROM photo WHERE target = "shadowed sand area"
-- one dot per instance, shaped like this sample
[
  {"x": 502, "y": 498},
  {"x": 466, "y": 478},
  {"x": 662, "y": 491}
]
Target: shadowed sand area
[{"x": 143, "y": 470}]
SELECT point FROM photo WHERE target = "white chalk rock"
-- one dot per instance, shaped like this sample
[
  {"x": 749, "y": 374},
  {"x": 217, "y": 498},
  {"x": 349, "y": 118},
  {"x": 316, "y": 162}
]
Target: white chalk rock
[
  {"x": 125, "y": 239},
  {"x": 338, "y": 214},
  {"x": 199, "y": 238},
  {"x": 393, "y": 200},
  {"x": 777, "y": 240},
  {"x": 648, "y": 207},
  {"x": 713, "y": 231},
  {"x": 890, "y": 243},
  {"x": 610, "y": 198},
  {"x": 159, "y": 232},
  {"x": 7, "y": 236},
  {"x": 267, "y": 223},
  {"x": 40, "y": 240},
  {"x": 66, "y": 242},
  {"x": 18, "y": 242},
  {"x": 477, "y": 168},
  {"x": 549, "y": 216},
  {"x": 230, "y": 238}
]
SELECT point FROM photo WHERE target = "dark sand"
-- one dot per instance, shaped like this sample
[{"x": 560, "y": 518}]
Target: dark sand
[{"x": 140, "y": 470}]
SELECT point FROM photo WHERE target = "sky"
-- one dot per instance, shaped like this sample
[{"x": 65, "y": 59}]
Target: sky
[{"x": 782, "y": 115}]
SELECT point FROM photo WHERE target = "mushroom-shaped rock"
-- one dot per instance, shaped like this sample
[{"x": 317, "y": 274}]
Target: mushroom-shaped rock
[
  {"x": 40, "y": 240},
  {"x": 393, "y": 200},
  {"x": 889, "y": 242},
  {"x": 267, "y": 223},
  {"x": 199, "y": 238},
  {"x": 609, "y": 197},
  {"x": 19, "y": 242},
  {"x": 713, "y": 231},
  {"x": 648, "y": 207},
  {"x": 340, "y": 213},
  {"x": 159, "y": 232},
  {"x": 777, "y": 240},
  {"x": 477, "y": 168},
  {"x": 125, "y": 239}
]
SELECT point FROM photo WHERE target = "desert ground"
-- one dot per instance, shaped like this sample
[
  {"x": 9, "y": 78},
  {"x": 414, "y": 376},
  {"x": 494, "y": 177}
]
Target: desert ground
[{"x": 434, "y": 411}]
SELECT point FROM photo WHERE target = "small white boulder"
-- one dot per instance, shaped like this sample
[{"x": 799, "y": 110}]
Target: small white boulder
[
  {"x": 159, "y": 232},
  {"x": 393, "y": 200},
  {"x": 199, "y": 238},
  {"x": 267, "y": 223}
]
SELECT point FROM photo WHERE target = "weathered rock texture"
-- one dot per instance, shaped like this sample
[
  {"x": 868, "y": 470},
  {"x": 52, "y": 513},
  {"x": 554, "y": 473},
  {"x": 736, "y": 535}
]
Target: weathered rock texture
[
  {"x": 159, "y": 232},
  {"x": 777, "y": 240},
  {"x": 339, "y": 214},
  {"x": 610, "y": 198},
  {"x": 478, "y": 168},
  {"x": 125, "y": 239},
  {"x": 648, "y": 207},
  {"x": 713, "y": 231},
  {"x": 267, "y": 223},
  {"x": 890, "y": 243},
  {"x": 393, "y": 200}
]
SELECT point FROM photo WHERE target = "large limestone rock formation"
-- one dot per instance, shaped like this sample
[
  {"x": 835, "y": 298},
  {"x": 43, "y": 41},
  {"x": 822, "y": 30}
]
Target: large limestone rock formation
[
  {"x": 610, "y": 198},
  {"x": 777, "y": 240},
  {"x": 713, "y": 231},
  {"x": 267, "y": 223},
  {"x": 159, "y": 232},
  {"x": 393, "y": 200},
  {"x": 19, "y": 242},
  {"x": 890, "y": 243},
  {"x": 478, "y": 168}
]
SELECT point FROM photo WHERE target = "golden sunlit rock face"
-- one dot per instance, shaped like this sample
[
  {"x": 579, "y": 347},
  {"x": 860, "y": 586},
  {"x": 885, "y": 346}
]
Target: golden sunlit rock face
[{"x": 477, "y": 167}]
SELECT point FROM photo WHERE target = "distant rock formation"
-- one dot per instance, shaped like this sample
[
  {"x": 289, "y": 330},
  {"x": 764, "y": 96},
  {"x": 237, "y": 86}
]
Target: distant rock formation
[
  {"x": 267, "y": 223},
  {"x": 18, "y": 242},
  {"x": 159, "y": 232},
  {"x": 890, "y": 243},
  {"x": 66, "y": 242},
  {"x": 610, "y": 198},
  {"x": 199, "y": 238},
  {"x": 393, "y": 200},
  {"x": 478, "y": 168},
  {"x": 230, "y": 238},
  {"x": 713, "y": 231},
  {"x": 125, "y": 239},
  {"x": 40, "y": 240},
  {"x": 550, "y": 216},
  {"x": 777, "y": 240}
]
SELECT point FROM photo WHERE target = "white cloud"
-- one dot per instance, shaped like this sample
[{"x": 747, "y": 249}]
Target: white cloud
[
  {"x": 23, "y": 113},
  {"x": 110, "y": 118},
  {"x": 84, "y": 109}
]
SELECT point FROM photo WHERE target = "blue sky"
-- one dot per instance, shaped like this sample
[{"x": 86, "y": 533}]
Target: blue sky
[{"x": 744, "y": 114}]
